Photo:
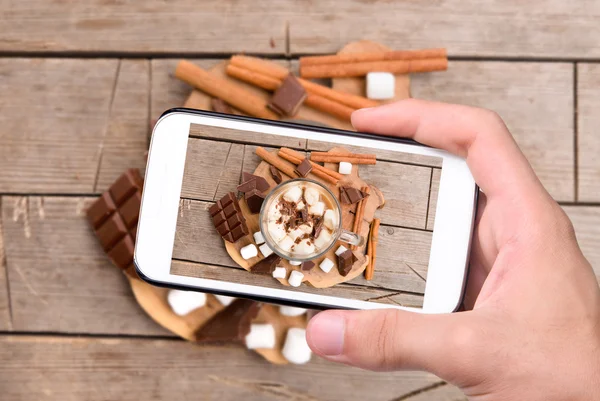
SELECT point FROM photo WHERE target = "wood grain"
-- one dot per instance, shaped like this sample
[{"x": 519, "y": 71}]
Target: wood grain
[
  {"x": 534, "y": 99},
  {"x": 588, "y": 121},
  {"x": 246, "y": 137},
  {"x": 55, "y": 114},
  {"x": 433, "y": 196},
  {"x": 55, "y": 368},
  {"x": 586, "y": 220},
  {"x": 5, "y": 318},
  {"x": 60, "y": 279},
  {"x": 552, "y": 29}
]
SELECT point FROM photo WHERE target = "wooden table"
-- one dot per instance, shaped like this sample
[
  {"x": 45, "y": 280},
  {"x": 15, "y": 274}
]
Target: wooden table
[{"x": 79, "y": 83}]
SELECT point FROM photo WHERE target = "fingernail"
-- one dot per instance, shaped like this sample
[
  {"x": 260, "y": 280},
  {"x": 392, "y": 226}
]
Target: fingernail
[{"x": 326, "y": 334}]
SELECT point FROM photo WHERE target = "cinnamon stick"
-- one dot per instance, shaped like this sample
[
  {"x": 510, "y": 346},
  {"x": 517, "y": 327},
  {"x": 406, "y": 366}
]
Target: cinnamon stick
[
  {"x": 275, "y": 161},
  {"x": 360, "y": 213},
  {"x": 361, "y": 69},
  {"x": 274, "y": 70},
  {"x": 373, "y": 56},
  {"x": 252, "y": 77},
  {"x": 342, "y": 158},
  {"x": 223, "y": 89},
  {"x": 373, "y": 239},
  {"x": 316, "y": 166},
  {"x": 350, "y": 155},
  {"x": 329, "y": 106},
  {"x": 319, "y": 173}
]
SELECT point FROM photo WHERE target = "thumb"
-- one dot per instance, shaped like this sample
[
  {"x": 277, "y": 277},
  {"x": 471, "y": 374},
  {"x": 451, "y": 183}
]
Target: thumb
[{"x": 390, "y": 339}]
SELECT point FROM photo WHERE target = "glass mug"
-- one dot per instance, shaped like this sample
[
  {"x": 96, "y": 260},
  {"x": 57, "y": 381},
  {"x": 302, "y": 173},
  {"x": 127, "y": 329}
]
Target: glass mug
[{"x": 326, "y": 196}]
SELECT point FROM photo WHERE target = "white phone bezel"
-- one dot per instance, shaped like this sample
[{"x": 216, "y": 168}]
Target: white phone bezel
[{"x": 452, "y": 232}]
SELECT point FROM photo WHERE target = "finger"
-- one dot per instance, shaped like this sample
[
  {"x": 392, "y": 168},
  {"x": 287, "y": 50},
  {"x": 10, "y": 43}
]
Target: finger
[
  {"x": 390, "y": 339},
  {"x": 477, "y": 135}
]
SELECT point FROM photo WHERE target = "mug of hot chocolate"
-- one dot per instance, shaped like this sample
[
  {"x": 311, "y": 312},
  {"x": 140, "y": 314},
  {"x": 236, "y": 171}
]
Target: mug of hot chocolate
[{"x": 301, "y": 220}]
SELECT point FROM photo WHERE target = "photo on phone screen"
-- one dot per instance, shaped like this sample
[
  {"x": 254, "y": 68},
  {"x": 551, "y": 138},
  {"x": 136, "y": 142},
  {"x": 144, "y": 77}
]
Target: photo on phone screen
[{"x": 229, "y": 193}]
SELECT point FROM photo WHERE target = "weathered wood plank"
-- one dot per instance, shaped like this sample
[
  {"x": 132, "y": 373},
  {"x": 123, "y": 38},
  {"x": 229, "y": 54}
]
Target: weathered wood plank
[
  {"x": 55, "y": 368},
  {"x": 433, "y": 196},
  {"x": 246, "y": 137},
  {"x": 588, "y": 121},
  {"x": 5, "y": 320},
  {"x": 60, "y": 279},
  {"x": 126, "y": 140},
  {"x": 586, "y": 220},
  {"x": 535, "y": 100},
  {"x": 155, "y": 26},
  {"x": 516, "y": 29},
  {"x": 54, "y": 116}
]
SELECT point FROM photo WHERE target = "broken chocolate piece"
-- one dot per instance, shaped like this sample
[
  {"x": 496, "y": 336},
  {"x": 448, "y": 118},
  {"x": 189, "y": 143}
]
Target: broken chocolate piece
[
  {"x": 318, "y": 228},
  {"x": 247, "y": 186},
  {"x": 345, "y": 262},
  {"x": 251, "y": 181},
  {"x": 275, "y": 174},
  {"x": 351, "y": 195},
  {"x": 228, "y": 218},
  {"x": 220, "y": 106},
  {"x": 303, "y": 168},
  {"x": 230, "y": 324},
  {"x": 308, "y": 265},
  {"x": 267, "y": 265},
  {"x": 254, "y": 200},
  {"x": 288, "y": 98}
]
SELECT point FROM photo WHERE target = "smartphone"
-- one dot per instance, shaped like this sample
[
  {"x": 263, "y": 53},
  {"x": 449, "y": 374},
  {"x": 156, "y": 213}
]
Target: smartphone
[{"x": 425, "y": 200}]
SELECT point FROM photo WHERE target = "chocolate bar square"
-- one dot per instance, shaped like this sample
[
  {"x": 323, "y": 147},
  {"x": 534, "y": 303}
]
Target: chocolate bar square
[
  {"x": 308, "y": 265},
  {"x": 111, "y": 231},
  {"x": 239, "y": 232},
  {"x": 345, "y": 262},
  {"x": 288, "y": 98},
  {"x": 125, "y": 186},
  {"x": 219, "y": 218},
  {"x": 130, "y": 210},
  {"x": 122, "y": 253},
  {"x": 275, "y": 174},
  {"x": 304, "y": 168}
]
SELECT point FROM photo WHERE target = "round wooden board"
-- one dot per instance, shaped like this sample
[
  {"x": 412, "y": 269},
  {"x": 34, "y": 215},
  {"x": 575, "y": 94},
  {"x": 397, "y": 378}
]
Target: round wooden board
[{"x": 315, "y": 277}]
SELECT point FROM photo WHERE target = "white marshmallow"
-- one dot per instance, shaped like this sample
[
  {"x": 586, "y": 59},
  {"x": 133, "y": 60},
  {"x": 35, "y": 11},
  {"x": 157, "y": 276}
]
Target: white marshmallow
[
  {"x": 323, "y": 240},
  {"x": 326, "y": 265},
  {"x": 345, "y": 168},
  {"x": 381, "y": 85},
  {"x": 279, "y": 272},
  {"x": 293, "y": 194},
  {"x": 311, "y": 195},
  {"x": 295, "y": 278},
  {"x": 330, "y": 219},
  {"x": 298, "y": 232},
  {"x": 294, "y": 263},
  {"x": 300, "y": 205},
  {"x": 276, "y": 231},
  {"x": 296, "y": 349},
  {"x": 291, "y": 310},
  {"x": 317, "y": 209},
  {"x": 249, "y": 251},
  {"x": 273, "y": 215},
  {"x": 183, "y": 302},
  {"x": 286, "y": 243},
  {"x": 265, "y": 250},
  {"x": 260, "y": 336},
  {"x": 305, "y": 247},
  {"x": 258, "y": 238},
  {"x": 225, "y": 300},
  {"x": 340, "y": 250},
  {"x": 306, "y": 228}
]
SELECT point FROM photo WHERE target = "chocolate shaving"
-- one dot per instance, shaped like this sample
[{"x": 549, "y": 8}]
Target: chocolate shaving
[
  {"x": 275, "y": 174},
  {"x": 303, "y": 168},
  {"x": 267, "y": 265},
  {"x": 318, "y": 228},
  {"x": 230, "y": 324},
  {"x": 288, "y": 98},
  {"x": 308, "y": 265}
]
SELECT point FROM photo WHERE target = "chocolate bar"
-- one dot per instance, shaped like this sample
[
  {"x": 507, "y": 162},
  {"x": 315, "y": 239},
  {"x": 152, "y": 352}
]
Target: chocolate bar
[
  {"x": 254, "y": 200},
  {"x": 288, "y": 98},
  {"x": 230, "y": 324},
  {"x": 228, "y": 219},
  {"x": 349, "y": 195},
  {"x": 303, "y": 168},
  {"x": 267, "y": 265},
  {"x": 114, "y": 218},
  {"x": 275, "y": 174},
  {"x": 345, "y": 261}
]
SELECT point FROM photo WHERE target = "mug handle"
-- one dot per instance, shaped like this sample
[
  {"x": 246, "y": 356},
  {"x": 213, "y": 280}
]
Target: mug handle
[{"x": 351, "y": 238}]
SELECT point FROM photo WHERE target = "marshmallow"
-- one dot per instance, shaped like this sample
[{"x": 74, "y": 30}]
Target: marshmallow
[
  {"x": 305, "y": 247},
  {"x": 225, "y": 300},
  {"x": 381, "y": 85},
  {"x": 286, "y": 243},
  {"x": 258, "y": 238},
  {"x": 340, "y": 250},
  {"x": 323, "y": 240},
  {"x": 276, "y": 231},
  {"x": 294, "y": 263},
  {"x": 279, "y": 272},
  {"x": 326, "y": 265},
  {"x": 296, "y": 349},
  {"x": 317, "y": 209},
  {"x": 295, "y": 278},
  {"x": 300, "y": 205},
  {"x": 298, "y": 232},
  {"x": 293, "y": 194},
  {"x": 273, "y": 214},
  {"x": 330, "y": 219},
  {"x": 311, "y": 195},
  {"x": 260, "y": 336},
  {"x": 249, "y": 251},
  {"x": 345, "y": 168},
  {"x": 291, "y": 310},
  {"x": 265, "y": 250},
  {"x": 183, "y": 302},
  {"x": 306, "y": 228}
]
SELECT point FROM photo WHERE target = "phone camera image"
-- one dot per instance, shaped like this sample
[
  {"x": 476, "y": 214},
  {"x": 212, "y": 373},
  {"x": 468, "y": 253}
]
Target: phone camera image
[{"x": 310, "y": 216}]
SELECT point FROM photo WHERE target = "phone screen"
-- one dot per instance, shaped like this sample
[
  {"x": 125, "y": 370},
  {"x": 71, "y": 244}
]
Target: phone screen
[{"x": 229, "y": 194}]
